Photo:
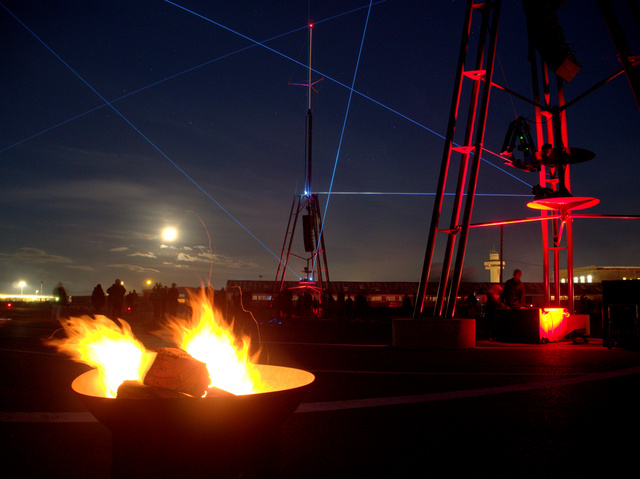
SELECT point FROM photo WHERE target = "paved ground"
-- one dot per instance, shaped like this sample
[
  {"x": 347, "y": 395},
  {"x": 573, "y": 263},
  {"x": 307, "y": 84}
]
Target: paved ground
[{"x": 507, "y": 410}]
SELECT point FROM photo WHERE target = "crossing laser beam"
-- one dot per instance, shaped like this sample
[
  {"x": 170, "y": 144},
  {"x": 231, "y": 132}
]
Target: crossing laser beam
[{"x": 146, "y": 138}]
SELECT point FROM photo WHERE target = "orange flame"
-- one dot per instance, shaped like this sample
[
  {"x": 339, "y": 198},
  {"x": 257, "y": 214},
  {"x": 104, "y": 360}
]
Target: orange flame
[
  {"x": 210, "y": 340},
  {"x": 102, "y": 344},
  {"x": 119, "y": 356}
]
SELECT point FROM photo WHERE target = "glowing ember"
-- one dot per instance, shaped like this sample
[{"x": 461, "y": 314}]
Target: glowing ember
[{"x": 119, "y": 356}]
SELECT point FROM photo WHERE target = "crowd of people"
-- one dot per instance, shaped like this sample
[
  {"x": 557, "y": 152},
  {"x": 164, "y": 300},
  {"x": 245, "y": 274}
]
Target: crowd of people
[
  {"x": 306, "y": 306},
  {"x": 116, "y": 300},
  {"x": 164, "y": 301}
]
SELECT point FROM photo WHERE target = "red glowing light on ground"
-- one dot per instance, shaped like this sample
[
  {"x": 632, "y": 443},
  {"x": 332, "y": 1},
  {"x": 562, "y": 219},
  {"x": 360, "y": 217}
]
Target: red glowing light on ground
[{"x": 553, "y": 323}]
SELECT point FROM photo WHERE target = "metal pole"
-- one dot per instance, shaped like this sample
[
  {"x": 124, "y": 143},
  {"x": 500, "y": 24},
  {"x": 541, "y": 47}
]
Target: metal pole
[
  {"x": 475, "y": 165},
  {"x": 556, "y": 275},
  {"x": 570, "y": 293},
  {"x": 444, "y": 166},
  {"x": 501, "y": 249},
  {"x": 284, "y": 257},
  {"x": 621, "y": 44},
  {"x": 462, "y": 174},
  {"x": 309, "y": 119},
  {"x": 555, "y": 226},
  {"x": 564, "y": 140},
  {"x": 542, "y": 176}
]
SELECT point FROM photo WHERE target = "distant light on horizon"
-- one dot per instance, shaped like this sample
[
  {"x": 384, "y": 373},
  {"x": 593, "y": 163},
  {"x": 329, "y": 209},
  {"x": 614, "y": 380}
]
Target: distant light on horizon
[{"x": 26, "y": 297}]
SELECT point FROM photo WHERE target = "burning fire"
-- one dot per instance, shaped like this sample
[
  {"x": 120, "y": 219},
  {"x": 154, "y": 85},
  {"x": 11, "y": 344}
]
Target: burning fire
[
  {"x": 102, "y": 344},
  {"x": 119, "y": 356},
  {"x": 208, "y": 339}
]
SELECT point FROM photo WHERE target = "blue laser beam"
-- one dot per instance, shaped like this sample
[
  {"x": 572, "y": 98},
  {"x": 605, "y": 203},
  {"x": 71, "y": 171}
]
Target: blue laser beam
[
  {"x": 171, "y": 77},
  {"x": 134, "y": 92},
  {"x": 351, "y": 88},
  {"x": 255, "y": 44},
  {"x": 137, "y": 130},
  {"x": 273, "y": 50},
  {"x": 344, "y": 126}
]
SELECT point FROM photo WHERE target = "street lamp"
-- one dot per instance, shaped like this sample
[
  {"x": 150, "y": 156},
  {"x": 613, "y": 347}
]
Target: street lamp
[{"x": 22, "y": 284}]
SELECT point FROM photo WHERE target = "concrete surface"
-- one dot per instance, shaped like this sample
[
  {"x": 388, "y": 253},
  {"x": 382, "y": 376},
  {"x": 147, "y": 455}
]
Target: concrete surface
[{"x": 374, "y": 410}]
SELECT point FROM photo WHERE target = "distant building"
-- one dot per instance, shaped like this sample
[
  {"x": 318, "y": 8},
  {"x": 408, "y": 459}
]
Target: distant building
[
  {"x": 493, "y": 265},
  {"x": 597, "y": 274},
  {"x": 384, "y": 294},
  {"x": 391, "y": 296}
]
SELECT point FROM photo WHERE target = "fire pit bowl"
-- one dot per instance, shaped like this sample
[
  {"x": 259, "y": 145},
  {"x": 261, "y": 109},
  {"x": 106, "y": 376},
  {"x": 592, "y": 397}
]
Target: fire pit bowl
[{"x": 161, "y": 437}]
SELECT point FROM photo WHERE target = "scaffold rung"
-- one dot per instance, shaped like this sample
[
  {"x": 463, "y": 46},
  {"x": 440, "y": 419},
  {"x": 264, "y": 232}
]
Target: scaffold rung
[
  {"x": 463, "y": 149},
  {"x": 450, "y": 231},
  {"x": 476, "y": 74}
]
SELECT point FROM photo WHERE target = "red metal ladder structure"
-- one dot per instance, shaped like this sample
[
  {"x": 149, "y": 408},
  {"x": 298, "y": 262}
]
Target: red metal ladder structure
[
  {"x": 471, "y": 151},
  {"x": 552, "y": 162}
]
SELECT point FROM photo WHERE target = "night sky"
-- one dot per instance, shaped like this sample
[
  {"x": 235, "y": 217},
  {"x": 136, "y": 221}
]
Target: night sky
[{"x": 119, "y": 118}]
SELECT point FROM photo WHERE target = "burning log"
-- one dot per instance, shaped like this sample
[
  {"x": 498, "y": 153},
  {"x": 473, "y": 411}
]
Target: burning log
[
  {"x": 176, "y": 370},
  {"x": 137, "y": 390}
]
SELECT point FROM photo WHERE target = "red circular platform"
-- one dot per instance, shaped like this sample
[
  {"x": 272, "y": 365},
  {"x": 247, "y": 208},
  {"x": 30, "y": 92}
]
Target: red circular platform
[{"x": 564, "y": 203}]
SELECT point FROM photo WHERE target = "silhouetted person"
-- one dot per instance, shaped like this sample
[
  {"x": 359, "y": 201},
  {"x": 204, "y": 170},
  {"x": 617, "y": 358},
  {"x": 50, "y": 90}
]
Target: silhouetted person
[
  {"x": 156, "y": 302},
  {"x": 172, "y": 300},
  {"x": 165, "y": 299},
  {"x": 98, "y": 299},
  {"x": 328, "y": 305},
  {"x": 62, "y": 301},
  {"x": 236, "y": 302},
  {"x": 341, "y": 306},
  {"x": 472, "y": 304},
  {"x": 513, "y": 294},
  {"x": 348, "y": 308},
  {"x": 407, "y": 306},
  {"x": 116, "y": 294},
  {"x": 307, "y": 305},
  {"x": 132, "y": 300},
  {"x": 284, "y": 305},
  {"x": 362, "y": 307},
  {"x": 494, "y": 297}
]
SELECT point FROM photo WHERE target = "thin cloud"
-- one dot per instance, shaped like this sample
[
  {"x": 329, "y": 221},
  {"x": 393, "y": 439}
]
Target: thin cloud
[
  {"x": 189, "y": 258},
  {"x": 135, "y": 268},
  {"x": 144, "y": 255},
  {"x": 35, "y": 256},
  {"x": 217, "y": 259}
]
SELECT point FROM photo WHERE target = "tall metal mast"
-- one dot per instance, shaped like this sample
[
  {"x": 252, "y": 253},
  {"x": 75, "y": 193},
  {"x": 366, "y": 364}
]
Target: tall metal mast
[{"x": 315, "y": 275}]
